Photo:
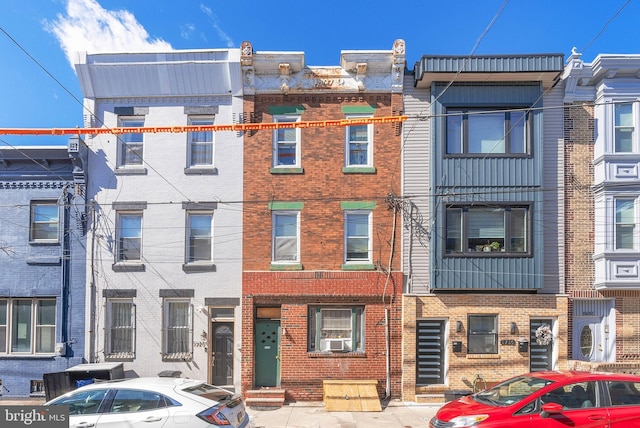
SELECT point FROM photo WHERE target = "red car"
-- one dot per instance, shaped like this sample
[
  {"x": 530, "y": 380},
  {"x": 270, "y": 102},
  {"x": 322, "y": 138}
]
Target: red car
[{"x": 549, "y": 399}]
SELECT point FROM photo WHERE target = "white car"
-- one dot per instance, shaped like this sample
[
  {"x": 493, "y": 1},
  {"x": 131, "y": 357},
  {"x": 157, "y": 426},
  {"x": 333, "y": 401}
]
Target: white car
[{"x": 153, "y": 402}]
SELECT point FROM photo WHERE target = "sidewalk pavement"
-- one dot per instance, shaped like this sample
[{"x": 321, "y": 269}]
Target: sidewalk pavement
[{"x": 396, "y": 414}]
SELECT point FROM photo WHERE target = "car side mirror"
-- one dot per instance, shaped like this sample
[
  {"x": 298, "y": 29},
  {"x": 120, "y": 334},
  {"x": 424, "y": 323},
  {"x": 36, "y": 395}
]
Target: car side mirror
[{"x": 550, "y": 409}]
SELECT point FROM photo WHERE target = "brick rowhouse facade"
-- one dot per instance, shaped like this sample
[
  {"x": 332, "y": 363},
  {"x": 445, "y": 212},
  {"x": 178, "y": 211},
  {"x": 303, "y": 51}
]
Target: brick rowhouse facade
[
  {"x": 601, "y": 275},
  {"x": 322, "y": 189}
]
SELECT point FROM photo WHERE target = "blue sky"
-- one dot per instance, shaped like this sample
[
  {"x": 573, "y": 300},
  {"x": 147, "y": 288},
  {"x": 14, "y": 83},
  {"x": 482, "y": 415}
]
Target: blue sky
[{"x": 38, "y": 37}]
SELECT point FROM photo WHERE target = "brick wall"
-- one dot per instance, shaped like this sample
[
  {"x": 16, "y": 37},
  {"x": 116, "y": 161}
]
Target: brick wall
[
  {"x": 462, "y": 367},
  {"x": 322, "y": 187},
  {"x": 302, "y": 372}
]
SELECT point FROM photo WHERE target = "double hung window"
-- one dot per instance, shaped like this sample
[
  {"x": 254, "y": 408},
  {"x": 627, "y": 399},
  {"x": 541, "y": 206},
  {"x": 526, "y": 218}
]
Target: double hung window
[
  {"x": 129, "y": 237},
  {"x": 177, "y": 327},
  {"x": 131, "y": 144},
  {"x": 27, "y": 326},
  {"x": 625, "y": 223},
  {"x": 483, "y": 334},
  {"x": 199, "y": 237},
  {"x": 477, "y": 230},
  {"x": 286, "y": 143},
  {"x": 357, "y": 237},
  {"x": 475, "y": 132},
  {"x": 624, "y": 128},
  {"x": 120, "y": 328},
  {"x": 336, "y": 329},
  {"x": 200, "y": 143},
  {"x": 359, "y": 144},
  {"x": 45, "y": 224},
  {"x": 286, "y": 237}
]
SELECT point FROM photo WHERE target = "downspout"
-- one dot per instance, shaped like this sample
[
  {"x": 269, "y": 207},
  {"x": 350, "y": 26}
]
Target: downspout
[
  {"x": 386, "y": 308},
  {"x": 92, "y": 290},
  {"x": 65, "y": 268}
]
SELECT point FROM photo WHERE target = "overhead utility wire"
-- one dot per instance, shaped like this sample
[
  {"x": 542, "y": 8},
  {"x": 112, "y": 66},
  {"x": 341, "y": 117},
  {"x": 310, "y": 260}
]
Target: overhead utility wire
[{"x": 605, "y": 26}]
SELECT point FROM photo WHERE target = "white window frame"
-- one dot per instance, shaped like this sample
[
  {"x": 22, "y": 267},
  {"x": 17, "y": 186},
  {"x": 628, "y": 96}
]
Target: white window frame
[
  {"x": 31, "y": 331},
  {"x": 190, "y": 256},
  {"x": 616, "y": 126},
  {"x": 276, "y": 237},
  {"x": 628, "y": 223},
  {"x": 347, "y": 215},
  {"x": 38, "y": 220},
  {"x": 277, "y": 133},
  {"x": 342, "y": 338},
  {"x": 130, "y": 139},
  {"x": 111, "y": 327},
  {"x": 120, "y": 237},
  {"x": 203, "y": 138},
  {"x": 369, "y": 142},
  {"x": 167, "y": 326}
]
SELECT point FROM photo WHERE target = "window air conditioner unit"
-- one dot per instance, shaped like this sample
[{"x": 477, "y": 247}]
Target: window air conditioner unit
[{"x": 333, "y": 344}]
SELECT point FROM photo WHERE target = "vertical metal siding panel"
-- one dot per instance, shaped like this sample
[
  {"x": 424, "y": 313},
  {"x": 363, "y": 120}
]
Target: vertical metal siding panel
[
  {"x": 552, "y": 173},
  {"x": 416, "y": 183}
]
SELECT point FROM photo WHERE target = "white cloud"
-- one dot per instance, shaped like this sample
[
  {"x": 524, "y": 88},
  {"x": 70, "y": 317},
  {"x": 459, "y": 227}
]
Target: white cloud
[
  {"x": 87, "y": 26},
  {"x": 214, "y": 23}
]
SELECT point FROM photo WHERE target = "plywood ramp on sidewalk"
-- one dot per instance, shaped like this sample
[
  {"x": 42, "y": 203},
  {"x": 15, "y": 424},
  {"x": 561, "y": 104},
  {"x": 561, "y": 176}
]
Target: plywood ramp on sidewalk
[{"x": 351, "y": 396}]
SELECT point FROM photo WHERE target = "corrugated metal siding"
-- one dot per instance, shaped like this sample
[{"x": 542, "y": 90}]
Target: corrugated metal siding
[
  {"x": 180, "y": 73},
  {"x": 462, "y": 273},
  {"x": 416, "y": 185},
  {"x": 497, "y": 64},
  {"x": 552, "y": 173},
  {"x": 489, "y": 180}
]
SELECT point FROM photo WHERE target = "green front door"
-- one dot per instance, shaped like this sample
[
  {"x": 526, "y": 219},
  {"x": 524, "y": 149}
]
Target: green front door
[{"x": 267, "y": 352}]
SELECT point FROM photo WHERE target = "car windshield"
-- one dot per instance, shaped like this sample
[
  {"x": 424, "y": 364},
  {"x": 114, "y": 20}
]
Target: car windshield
[
  {"x": 211, "y": 392},
  {"x": 511, "y": 391}
]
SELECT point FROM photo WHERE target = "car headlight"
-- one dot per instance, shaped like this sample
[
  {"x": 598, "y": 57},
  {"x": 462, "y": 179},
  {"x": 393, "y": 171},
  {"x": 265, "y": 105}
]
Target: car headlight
[{"x": 467, "y": 421}]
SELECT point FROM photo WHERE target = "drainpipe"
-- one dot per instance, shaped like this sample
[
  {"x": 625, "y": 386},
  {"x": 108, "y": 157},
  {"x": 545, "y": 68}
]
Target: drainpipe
[
  {"x": 65, "y": 269},
  {"x": 386, "y": 307},
  {"x": 92, "y": 290}
]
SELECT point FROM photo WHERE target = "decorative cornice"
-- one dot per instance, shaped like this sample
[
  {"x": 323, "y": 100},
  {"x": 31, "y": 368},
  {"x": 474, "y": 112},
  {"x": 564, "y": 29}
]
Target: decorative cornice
[{"x": 12, "y": 185}]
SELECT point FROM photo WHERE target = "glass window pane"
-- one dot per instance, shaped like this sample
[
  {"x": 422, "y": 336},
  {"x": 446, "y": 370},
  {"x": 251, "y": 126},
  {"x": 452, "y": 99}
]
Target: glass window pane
[
  {"x": 357, "y": 237},
  {"x": 624, "y": 114},
  {"x": 178, "y": 327},
  {"x": 624, "y": 140},
  {"x": 130, "y": 240},
  {"x": 201, "y": 143},
  {"x": 486, "y": 133},
  {"x": 517, "y": 132},
  {"x": 121, "y": 327},
  {"x": 518, "y": 230},
  {"x": 454, "y": 231},
  {"x": 486, "y": 223},
  {"x": 625, "y": 223},
  {"x": 200, "y": 237},
  {"x": 454, "y": 132},
  {"x": 285, "y": 237},
  {"x": 44, "y": 222},
  {"x": 21, "y": 326}
]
